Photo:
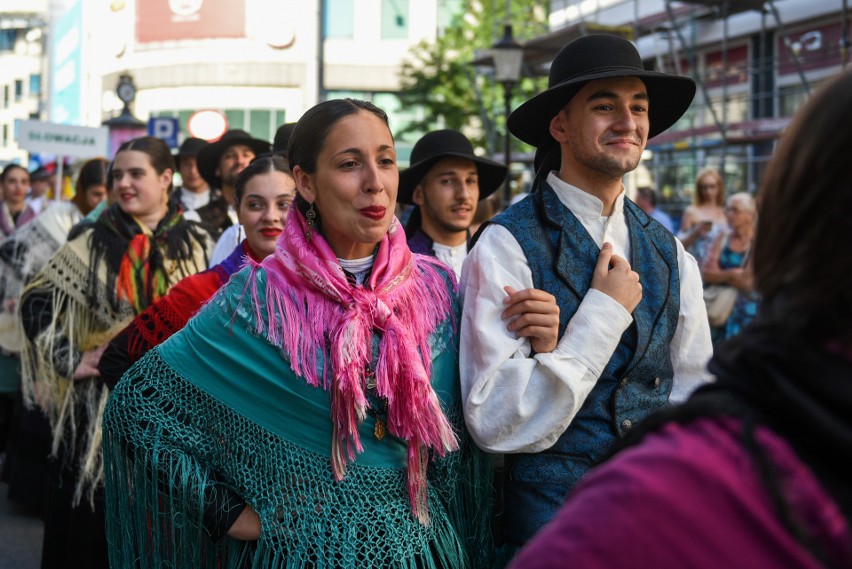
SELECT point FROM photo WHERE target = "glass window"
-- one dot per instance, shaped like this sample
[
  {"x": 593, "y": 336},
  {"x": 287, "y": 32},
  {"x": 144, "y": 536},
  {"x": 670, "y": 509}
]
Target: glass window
[
  {"x": 338, "y": 18},
  {"x": 394, "y": 19},
  {"x": 5, "y": 134},
  {"x": 19, "y": 89},
  {"x": 35, "y": 84},
  {"x": 7, "y": 40},
  {"x": 260, "y": 124},
  {"x": 236, "y": 118},
  {"x": 794, "y": 96},
  {"x": 280, "y": 118},
  {"x": 5, "y": 96}
]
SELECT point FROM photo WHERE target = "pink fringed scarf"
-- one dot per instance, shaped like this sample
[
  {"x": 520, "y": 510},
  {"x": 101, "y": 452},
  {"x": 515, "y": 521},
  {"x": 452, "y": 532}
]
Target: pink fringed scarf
[{"x": 310, "y": 303}]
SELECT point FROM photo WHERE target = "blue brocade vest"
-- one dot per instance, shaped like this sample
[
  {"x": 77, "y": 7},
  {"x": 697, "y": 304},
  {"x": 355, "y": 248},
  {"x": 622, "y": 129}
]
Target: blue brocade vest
[{"x": 637, "y": 379}]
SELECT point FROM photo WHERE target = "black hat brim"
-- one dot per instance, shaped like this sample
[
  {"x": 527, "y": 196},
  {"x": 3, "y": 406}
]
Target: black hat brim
[
  {"x": 491, "y": 175},
  {"x": 669, "y": 97}
]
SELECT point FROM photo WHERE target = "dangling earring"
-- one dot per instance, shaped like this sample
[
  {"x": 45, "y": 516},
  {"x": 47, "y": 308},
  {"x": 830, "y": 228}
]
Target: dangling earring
[{"x": 310, "y": 218}]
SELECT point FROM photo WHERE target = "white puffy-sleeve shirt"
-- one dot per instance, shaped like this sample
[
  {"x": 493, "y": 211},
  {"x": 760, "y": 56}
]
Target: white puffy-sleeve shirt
[{"x": 517, "y": 403}]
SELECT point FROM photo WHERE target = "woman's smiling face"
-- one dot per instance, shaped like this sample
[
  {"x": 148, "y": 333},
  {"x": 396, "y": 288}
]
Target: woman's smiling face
[{"x": 355, "y": 184}]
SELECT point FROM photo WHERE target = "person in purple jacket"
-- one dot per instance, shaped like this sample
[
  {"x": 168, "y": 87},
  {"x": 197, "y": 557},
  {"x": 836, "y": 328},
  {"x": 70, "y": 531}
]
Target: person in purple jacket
[
  {"x": 445, "y": 182},
  {"x": 753, "y": 470}
]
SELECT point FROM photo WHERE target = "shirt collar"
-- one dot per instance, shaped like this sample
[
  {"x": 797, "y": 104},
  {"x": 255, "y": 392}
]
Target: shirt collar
[{"x": 582, "y": 204}]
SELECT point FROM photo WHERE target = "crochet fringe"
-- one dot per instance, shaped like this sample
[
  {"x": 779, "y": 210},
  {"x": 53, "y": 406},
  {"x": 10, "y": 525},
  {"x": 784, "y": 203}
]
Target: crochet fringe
[{"x": 155, "y": 491}]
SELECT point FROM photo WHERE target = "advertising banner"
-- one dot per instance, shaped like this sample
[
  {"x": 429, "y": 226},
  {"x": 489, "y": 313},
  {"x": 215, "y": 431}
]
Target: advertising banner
[{"x": 173, "y": 20}]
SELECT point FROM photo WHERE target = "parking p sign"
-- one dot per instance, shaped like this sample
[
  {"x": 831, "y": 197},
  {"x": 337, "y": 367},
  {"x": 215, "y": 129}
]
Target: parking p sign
[{"x": 165, "y": 128}]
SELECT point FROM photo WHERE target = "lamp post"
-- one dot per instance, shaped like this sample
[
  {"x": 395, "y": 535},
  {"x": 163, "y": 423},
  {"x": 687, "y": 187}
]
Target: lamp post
[{"x": 508, "y": 56}]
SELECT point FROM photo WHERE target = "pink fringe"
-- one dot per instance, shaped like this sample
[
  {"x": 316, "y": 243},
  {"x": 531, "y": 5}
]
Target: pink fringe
[{"x": 310, "y": 306}]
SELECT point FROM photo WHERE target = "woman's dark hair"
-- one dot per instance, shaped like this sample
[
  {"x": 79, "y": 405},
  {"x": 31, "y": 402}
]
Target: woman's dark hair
[
  {"x": 9, "y": 168},
  {"x": 158, "y": 153},
  {"x": 94, "y": 172},
  {"x": 263, "y": 164},
  {"x": 805, "y": 212},
  {"x": 309, "y": 134}
]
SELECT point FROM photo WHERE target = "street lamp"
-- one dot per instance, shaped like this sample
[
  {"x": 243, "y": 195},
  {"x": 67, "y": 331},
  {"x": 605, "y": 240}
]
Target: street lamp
[
  {"x": 125, "y": 126},
  {"x": 508, "y": 56}
]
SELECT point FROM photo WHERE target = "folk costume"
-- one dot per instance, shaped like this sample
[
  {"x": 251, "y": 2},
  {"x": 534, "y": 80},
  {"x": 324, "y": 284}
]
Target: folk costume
[
  {"x": 556, "y": 414},
  {"x": 332, "y": 408},
  {"x": 168, "y": 315},
  {"x": 9, "y": 223},
  {"x": 22, "y": 255},
  {"x": 738, "y": 462},
  {"x": 109, "y": 270},
  {"x": 427, "y": 152}
]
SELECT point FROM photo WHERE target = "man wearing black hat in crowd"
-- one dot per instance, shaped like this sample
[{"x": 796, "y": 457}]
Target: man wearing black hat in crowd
[
  {"x": 445, "y": 182},
  {"x": 232, "y": 236},
  {"x": 220, "y": 163},
  {"x": 194, "y": 192},
  {"x": 581, "y": 313}
]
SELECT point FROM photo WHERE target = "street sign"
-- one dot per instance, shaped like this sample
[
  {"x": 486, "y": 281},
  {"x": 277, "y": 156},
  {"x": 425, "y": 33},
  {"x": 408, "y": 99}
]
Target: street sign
[
  {"x": 165, "y": 128},
  {"x": 63, "y": 139}
]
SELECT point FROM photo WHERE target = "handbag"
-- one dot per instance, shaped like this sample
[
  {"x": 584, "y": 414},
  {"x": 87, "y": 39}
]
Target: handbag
[{"x": 720, "y": 300}]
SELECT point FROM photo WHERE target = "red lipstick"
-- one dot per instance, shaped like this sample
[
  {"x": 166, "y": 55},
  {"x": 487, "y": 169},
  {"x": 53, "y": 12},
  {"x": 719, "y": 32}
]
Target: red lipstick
[{"x": 373, "y": 212}]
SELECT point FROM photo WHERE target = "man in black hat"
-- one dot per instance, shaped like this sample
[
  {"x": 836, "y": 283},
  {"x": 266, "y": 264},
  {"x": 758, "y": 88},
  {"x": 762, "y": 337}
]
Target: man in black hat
[
  {"x": 40, "y": 180},
  {"x": 194, "y": 192},
  {"x": 581, "y": 313},
  {"x": 220, "y": 163},
  {"x": 445, "y": 182}
]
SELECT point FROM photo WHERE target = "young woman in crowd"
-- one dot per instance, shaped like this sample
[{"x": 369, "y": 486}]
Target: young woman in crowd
[
  {"x": 754, "y": 470},
  {"x": 309, "y": 414},
  {"x": 22, "y": 255},
  {"x": 15, "y": 182},
  {"x": 263, "y": 194},
  {"x": 705, "y": 218},
  {"x": 109, "y": 270}
]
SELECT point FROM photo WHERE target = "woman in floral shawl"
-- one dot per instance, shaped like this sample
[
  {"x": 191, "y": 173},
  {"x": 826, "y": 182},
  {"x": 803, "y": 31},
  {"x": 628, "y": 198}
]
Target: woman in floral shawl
[
  {"x": 109, "y": 270},
  {"x": 309, "y": 414}
]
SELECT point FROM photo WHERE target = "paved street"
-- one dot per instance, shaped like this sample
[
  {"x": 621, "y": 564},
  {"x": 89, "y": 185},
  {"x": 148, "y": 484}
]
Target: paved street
[{"x": 20, "y": 535}]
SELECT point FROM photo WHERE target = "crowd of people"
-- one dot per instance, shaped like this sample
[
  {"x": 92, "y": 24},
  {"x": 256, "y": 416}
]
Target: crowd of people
[{"x": 264, "y": 367}]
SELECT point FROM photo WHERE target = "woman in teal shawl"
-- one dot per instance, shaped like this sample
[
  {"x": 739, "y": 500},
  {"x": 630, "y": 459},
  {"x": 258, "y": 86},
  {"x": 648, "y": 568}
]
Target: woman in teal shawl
[{"x": 309, "y": 415}]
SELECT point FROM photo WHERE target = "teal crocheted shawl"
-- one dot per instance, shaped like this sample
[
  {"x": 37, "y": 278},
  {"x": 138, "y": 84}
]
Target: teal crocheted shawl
[{"x": 216, "y": 404}]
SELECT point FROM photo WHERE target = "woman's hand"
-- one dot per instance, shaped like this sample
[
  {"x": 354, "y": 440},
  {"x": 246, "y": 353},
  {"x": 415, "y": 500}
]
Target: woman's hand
[
  {"x": 534, "y": 315},
  {"x": 88, "y": 366},
  {"x": 739, "y": 278},
  {"x": 247, "y": 526}
]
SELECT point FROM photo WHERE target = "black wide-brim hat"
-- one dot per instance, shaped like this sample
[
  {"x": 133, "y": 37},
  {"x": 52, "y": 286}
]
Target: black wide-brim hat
[
  {"x": 209, "y": 156},
  {"x": 189, "y": 148},
  {"x": 600, "y": 56},
  {"x": 448, "y": 143}
]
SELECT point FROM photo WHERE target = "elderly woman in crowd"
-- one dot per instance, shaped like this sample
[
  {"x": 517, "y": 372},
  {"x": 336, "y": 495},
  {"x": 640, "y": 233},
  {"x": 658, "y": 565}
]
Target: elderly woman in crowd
[{"x": 729, "y": 264}]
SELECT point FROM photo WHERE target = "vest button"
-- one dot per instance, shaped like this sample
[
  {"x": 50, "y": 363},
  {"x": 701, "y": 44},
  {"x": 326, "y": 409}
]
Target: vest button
[
  {"x": 627, "y": 424},
  {"x": 656, "y": 382},
  {"x": 624, "y": 382}
]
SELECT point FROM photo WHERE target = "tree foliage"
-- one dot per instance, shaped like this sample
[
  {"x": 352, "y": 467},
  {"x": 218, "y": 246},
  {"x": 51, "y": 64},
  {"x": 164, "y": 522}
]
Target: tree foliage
[{"x": 440, "y": 78}]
